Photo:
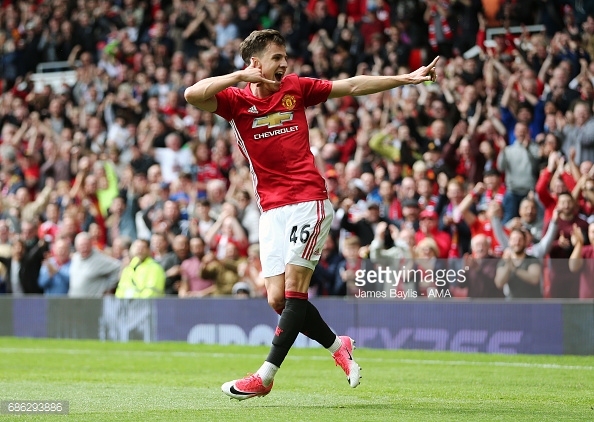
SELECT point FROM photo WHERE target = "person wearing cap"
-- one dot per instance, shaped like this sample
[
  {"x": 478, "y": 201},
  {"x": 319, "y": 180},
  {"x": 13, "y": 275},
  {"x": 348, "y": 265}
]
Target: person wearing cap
[
  {"x": 241, "y": 290},
  {"x": 428, "y": 228}
]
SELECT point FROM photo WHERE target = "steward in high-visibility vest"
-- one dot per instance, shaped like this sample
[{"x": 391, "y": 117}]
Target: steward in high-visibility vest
[{"x": 143, "y": 277}]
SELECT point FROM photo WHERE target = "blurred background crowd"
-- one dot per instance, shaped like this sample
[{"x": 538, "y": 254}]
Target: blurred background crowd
[{"x": 114, "y": 185}]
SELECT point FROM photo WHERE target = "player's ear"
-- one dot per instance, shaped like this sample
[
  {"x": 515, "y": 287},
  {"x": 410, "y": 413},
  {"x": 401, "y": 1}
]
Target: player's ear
[{"x": 255, "y": 62}]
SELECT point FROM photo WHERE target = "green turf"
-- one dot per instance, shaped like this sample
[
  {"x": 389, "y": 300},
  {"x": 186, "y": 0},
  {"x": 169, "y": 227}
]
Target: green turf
[{"x": 181, "y": 382}]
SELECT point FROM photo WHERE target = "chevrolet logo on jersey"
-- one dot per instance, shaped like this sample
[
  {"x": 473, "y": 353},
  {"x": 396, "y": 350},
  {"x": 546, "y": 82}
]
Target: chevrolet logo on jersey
[{"x": 273, "y": 120}]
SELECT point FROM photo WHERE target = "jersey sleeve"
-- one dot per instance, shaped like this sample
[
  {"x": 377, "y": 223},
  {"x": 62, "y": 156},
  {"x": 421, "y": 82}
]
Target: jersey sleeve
[
  {"x": 224, "y": 100},
  {"x": 315, "y": 91}
]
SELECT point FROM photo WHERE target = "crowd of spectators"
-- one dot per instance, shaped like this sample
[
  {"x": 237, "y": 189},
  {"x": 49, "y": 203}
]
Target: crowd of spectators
[{"x": 115, "y": 185}]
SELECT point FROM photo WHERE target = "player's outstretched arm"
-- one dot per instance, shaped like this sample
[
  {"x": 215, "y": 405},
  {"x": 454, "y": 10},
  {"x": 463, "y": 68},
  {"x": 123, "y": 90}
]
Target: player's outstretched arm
[
  {"x": 202, "y": 93},
  {"x": 366, "y": 84}
]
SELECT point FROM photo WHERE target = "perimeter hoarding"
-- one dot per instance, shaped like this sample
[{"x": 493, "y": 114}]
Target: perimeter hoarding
[{"x": 530, "y": 327}]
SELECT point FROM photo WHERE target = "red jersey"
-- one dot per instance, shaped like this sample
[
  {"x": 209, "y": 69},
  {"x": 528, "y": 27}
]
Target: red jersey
[
  {"x": 484, "y": 227},
  {"x": 272, "y": 134}
]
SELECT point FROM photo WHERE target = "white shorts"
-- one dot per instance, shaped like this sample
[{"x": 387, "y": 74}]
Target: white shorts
[{"x": 294, "y": 234}]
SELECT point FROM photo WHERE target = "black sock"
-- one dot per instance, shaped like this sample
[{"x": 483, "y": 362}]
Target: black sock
[
  {"x": 289, "y": 326},
  {"x": 316, "y": 328}
]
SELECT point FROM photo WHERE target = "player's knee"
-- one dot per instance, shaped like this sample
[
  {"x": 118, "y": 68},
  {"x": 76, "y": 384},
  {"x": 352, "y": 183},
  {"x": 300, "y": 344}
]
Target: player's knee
[{"x": 276, "y": 303}]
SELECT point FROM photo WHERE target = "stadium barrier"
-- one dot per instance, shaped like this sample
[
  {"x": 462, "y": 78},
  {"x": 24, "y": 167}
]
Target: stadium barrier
[{"x": 527, "y": 327}]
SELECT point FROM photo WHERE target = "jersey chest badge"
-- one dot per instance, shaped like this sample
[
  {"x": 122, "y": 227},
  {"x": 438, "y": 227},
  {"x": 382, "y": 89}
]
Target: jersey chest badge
[{"x": 288, "y": 102}]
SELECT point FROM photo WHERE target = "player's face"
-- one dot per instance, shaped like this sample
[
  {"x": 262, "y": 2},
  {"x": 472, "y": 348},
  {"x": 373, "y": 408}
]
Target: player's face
[{"x": 274, "y": 65}]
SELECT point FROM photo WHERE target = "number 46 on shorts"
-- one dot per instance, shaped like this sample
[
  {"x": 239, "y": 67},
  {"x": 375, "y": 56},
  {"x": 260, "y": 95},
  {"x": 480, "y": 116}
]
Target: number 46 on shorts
[{"x": 304, "y": 234}]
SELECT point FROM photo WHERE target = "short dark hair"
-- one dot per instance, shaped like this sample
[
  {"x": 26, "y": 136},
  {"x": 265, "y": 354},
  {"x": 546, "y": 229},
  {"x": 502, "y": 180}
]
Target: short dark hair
[
  {"x": 526, "y": 105},
  {"x": 492, "y": 172},
  {"x": 565, "y": 193},
  {"x": 145, "y": 241},
  {"x": 257, "y": 42}
]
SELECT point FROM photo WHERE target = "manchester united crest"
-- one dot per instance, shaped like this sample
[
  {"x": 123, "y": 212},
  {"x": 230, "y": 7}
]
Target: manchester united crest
[{"x": 289, "y": 102}]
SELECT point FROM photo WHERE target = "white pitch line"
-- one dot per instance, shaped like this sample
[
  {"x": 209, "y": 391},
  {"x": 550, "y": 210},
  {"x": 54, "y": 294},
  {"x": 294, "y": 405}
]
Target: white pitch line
[{"x": 257, "y": 356}]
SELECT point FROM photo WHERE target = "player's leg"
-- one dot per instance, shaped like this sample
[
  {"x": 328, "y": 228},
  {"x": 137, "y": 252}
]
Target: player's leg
[
  {"x": 314, "y": 325},
  {"x": 306, "y": 227},
  {"x": 273, "y": 249},
  {"x": 297, "y": 278},
  {"x": 295, "y": 281}
]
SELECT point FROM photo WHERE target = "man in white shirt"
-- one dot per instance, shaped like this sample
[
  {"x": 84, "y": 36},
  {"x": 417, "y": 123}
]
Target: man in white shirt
[
  {"x": 173, "y": 158},
  {"x": 93, "y": 272}
]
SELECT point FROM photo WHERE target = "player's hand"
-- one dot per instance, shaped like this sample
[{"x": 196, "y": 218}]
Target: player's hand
[
  {"x": 424, "y": 73},
  {"x": 254, "y": 74}
]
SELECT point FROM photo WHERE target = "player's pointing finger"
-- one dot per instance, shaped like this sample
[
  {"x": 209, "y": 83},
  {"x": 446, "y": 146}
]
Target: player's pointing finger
[{"x": 433, "y": 63}]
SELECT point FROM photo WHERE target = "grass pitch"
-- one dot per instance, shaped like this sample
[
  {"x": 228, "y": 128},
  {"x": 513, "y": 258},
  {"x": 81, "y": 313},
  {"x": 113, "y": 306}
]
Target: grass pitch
[{"x": 181, "y": 382}]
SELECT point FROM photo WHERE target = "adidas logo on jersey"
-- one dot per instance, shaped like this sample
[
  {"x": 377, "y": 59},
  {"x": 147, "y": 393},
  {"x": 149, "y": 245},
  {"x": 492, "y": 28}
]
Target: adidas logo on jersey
[{"x": 253, "y": 109}]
